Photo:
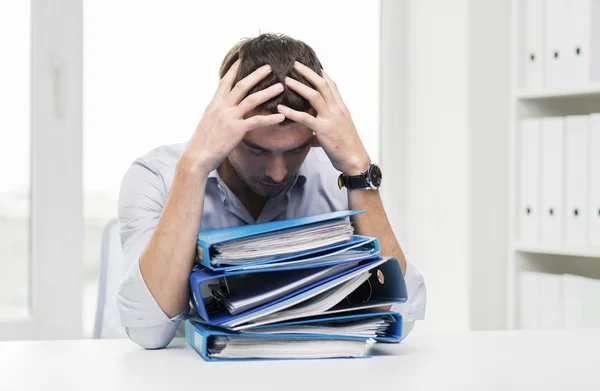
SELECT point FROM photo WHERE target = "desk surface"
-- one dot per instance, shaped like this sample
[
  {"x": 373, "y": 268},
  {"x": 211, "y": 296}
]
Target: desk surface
[{"x": 507, "y": 360}]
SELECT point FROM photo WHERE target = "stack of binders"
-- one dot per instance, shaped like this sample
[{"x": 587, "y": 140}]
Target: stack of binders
[{"x": 293, "y": 289}]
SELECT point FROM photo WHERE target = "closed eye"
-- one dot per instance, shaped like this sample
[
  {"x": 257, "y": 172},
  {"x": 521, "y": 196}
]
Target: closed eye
[
  {"x": 298, "y": 151},
  {"x": 256, "y": 152}
]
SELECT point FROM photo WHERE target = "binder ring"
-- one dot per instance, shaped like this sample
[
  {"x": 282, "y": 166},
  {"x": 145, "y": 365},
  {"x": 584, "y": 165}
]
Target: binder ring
[{"x": 355, "y": 296}]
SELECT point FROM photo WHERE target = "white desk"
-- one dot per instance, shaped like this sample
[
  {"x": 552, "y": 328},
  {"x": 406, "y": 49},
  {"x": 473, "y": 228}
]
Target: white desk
[{"x": 544, "y": 360}]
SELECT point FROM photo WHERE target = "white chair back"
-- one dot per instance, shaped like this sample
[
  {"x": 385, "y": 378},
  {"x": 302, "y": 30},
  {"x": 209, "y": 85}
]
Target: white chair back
[{"x": 112, "y": 272}]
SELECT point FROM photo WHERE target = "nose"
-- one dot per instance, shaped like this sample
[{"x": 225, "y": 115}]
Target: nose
[{"x": 277, "y": 168}]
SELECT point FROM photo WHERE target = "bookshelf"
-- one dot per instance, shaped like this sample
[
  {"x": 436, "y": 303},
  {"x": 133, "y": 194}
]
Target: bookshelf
[{"x": 538, "y": 102}]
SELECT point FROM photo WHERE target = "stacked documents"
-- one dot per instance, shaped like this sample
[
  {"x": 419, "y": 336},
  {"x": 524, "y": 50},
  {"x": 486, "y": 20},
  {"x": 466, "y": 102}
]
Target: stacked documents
[{"x": 300, "y": 288}]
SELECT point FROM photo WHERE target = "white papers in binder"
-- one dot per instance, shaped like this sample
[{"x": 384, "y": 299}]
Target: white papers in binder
[
  {"x": 285, "y": 242},
  {"x": 368, "y": 328},
  {"x": 240, "y": 346},
  {"x": 314, "y": 306},
  {"x": 247, "y": 291}
]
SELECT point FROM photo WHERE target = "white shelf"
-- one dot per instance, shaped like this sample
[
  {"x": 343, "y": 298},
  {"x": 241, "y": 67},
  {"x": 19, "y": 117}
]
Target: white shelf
[
  {"x": 557, "y": 250},
  {"x": 550, "y": 93}
]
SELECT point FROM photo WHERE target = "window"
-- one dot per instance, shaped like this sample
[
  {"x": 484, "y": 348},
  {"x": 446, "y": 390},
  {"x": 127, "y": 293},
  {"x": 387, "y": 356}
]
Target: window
[
  {"x": 15, "y": 79},
  {"x": 148, "y": 78}
]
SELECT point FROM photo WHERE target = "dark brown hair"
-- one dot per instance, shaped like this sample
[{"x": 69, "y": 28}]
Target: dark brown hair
[{"x": 280, "y": 52}]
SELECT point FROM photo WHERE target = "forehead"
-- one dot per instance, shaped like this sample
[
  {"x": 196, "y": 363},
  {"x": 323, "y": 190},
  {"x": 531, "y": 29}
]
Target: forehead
[{"x": 279, "y": 138}]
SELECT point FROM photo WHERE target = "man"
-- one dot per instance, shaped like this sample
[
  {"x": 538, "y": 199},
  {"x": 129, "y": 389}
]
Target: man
[{"x": 270, "y": 146}]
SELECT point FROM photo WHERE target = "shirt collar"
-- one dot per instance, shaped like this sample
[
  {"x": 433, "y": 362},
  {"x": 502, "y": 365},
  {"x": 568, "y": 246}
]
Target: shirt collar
[{"x": 299, "y": 181}]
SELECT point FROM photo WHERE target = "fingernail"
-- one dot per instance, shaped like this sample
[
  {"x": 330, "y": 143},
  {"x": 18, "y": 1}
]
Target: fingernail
[
  {"x": 278, "y": 87},
  {"x": 288, "y": 79},
  {"x": 280, "y": 108},
  {"x": 267, "y": 68},
  {"x": 296, "y": 63}
]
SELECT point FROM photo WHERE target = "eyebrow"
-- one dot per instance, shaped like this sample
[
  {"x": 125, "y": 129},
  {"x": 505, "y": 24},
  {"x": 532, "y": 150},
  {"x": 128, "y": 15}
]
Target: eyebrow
[{"x": 259, "y": 148}]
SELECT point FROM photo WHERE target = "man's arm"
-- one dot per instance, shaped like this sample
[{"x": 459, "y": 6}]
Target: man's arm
[
  {"x": 166, "y": 261},
  {"x": 337, "y": 135},
  {"x": 375, "y": 222}
]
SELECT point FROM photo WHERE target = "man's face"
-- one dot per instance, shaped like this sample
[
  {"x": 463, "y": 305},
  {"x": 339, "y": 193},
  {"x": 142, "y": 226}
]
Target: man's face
[{"x": 269, "y": 158}]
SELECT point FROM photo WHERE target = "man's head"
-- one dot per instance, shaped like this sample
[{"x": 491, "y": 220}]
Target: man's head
[{"x": 268, "y": 158}]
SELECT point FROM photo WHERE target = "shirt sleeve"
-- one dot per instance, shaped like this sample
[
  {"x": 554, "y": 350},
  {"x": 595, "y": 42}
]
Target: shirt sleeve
[
  {"x": 141, "y": 200},
  {"x": 413, "y": 308}
]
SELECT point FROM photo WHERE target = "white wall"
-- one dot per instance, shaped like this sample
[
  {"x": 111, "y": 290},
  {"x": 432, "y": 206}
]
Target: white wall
[
  {"x": 488, "y": 162},
  {"x": 436, "y": 156},
  {"x": 436, "y": 146}
]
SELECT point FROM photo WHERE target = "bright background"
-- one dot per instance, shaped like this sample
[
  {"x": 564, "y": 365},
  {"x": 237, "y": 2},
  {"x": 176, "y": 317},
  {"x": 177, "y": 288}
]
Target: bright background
[{"x": 149, "y": 69}]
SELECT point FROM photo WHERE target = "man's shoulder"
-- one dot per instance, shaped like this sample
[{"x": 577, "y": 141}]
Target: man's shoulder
[{"x": 162, "y": 159}]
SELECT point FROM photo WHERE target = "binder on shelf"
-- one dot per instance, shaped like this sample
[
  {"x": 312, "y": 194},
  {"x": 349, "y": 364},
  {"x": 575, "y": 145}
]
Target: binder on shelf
[
  {"x": 591, "y": 303},
  {"x": 556, "y": 43},
  {"x": 279, "y": 241},
  {"x": 594, "y": 182},
  {"x": 529, "y": 310},
  {"x": 218, "y": 344},
  {"x": 533, "y": 53},
  {"x": 576, "y": 212},
  {"x": 552, "y": 173},
  {"x": 582, "y": 42},
  {"x": 551, "y": 296},
  {"x": 529, "y": 181},
  {"x": 573, "y": 300}
]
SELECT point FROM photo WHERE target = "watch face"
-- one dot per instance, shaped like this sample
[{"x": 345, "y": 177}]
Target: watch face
[{"x": 375, "y": 176}]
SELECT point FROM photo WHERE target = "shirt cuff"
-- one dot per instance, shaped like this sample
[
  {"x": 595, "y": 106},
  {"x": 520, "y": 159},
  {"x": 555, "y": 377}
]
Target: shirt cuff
[
  {"x": 414, "y": 307},
  {"x": 136, "y": 304}
]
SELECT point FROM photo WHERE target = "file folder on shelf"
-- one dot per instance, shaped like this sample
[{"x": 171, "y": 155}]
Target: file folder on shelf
[
  {"x": 269, "y": 343},
  {"x": 556, "y": 69},
  {"x": 533, "y": 53},
  {"x": 576, "y": 178},
  {"x": 529, "y": 181},
  {"x": 552, "y": 180},
  {"x": 207, "y": 249},
  {"x": 583, "y": 39},
  {"x": 594, "y": 183}
]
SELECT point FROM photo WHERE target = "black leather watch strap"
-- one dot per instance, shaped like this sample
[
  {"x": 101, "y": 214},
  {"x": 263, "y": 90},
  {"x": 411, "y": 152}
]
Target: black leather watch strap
[{"x": 353, "y": 182}]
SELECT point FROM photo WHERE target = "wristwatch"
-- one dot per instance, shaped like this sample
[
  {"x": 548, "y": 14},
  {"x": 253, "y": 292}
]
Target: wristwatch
[{"x": 369, "y": 179}]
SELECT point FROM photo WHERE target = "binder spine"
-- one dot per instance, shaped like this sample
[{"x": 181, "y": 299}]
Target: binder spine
[
  {"x": 203, "y": 253},
  {"x": 196, "y": 340}
]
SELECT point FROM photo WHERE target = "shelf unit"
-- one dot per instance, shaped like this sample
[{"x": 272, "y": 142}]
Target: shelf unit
[
  {"x": 524, "y": 94},
  {"x": 536, "y": 103}
]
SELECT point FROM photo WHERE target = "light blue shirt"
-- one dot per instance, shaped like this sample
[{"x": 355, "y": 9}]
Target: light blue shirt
[{"x": 143, "y": 194}]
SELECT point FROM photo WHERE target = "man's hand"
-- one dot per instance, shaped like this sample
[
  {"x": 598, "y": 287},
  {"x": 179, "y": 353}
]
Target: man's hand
[
  {"x": 223, "y": 126},
  {"x": 333, "y": 125}
]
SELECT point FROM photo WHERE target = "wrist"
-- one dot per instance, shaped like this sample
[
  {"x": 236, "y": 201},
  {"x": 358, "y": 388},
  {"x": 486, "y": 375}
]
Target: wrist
[
  {"x": 194, "y": 164},
  {"x": 357, "y": 165}
]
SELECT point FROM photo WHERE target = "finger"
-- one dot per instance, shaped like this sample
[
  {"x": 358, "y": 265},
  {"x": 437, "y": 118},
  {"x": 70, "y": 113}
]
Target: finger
[
  {"x": 243, "y": 86},
  {"x": 335, "y": 91},
  {"x": 227, "y": 81},
  {"x": 252, "y": 101},
  {"x": 298, "y": 116},
  {"x": 315, "y": 80},
  {"x": 259, "y": 121},
  {"x": 313, "y": 96}
]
